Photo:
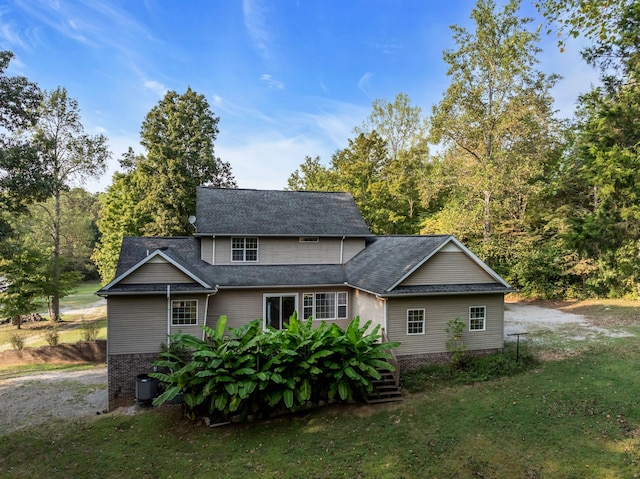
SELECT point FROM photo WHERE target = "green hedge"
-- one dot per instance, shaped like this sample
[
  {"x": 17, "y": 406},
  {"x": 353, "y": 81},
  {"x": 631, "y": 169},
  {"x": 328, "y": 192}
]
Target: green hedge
[{"x": 252, "y": 371}]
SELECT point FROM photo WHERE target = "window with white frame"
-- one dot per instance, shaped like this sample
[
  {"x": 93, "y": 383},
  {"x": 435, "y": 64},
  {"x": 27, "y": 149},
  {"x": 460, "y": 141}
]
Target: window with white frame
[
  {"x": 325, "y": 305},
  {"x": 307, "y": 305},
  {"x": 415, "y": 321},
  {"x": 244, "y": 249},
  {"x": 184, "y": 312},
  {"x": 477, "y": 318}
]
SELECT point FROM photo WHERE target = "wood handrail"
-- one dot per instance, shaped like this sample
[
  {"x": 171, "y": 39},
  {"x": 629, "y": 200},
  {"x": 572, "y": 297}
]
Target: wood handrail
[{"x": 393, "y": 361}]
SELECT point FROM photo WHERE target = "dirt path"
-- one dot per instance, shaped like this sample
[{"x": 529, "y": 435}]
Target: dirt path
[
  {"x": 35, "y": 399},
  {"x": 537, "y": 320}
]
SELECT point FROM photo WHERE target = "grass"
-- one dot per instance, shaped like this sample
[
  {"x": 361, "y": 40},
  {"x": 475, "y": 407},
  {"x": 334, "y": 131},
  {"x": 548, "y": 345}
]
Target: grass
[
  {"x": 575, "y": 418},
  {"x": 82, "y": 298},
  {"x": 571, "y": 418}
]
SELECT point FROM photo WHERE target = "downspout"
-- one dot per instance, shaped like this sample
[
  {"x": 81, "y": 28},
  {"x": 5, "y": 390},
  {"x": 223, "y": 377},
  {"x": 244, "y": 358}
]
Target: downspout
[
  {"x": 384, "y": 314},
  {"x": 206, "y": 311},
  {"x": 342, "y": 249},
  {"x": 168, "y": 315}
]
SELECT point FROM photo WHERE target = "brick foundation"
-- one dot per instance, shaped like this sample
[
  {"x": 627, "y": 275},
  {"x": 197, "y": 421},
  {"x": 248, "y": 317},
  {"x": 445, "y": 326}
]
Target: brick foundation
[
  {"x": 123, "y": 370},
  {"x": 414, "y": 361}
]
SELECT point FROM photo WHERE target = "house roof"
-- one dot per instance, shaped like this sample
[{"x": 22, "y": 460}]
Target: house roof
[
  {"x": 240, "y": 212},
  {"x": 388, "y": 260},
  {"x": 379, "y": 268}
]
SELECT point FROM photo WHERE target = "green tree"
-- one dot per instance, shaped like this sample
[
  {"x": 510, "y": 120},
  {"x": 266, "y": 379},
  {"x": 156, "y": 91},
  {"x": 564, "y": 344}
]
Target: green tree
[
  {"x": 69, "y": 154},
  {"x": 156, "y": 194},
  {"x": 23, "y": 177},
  {"x": 595, "y": 19},
  {"x": 78, "y": 230},
  {"x": 311, "y": 176},
  {"x": 179, "y": 135},
  {"x": 383, "y": 167},
  {"x": 404, "y": 130},
  {"x": 497, "y": 129},
  {"x": 119, "y": 217},
  {"x": 22, "y": 269},
  {"x": 605, "y": 221}
]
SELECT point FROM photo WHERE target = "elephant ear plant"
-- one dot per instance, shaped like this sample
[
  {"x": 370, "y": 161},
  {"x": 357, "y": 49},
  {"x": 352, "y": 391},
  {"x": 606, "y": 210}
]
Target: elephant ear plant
[{"x": 252, "y": 371}]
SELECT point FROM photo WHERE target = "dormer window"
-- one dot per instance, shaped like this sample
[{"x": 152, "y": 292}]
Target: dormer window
[{"x": 244, "y": 249}]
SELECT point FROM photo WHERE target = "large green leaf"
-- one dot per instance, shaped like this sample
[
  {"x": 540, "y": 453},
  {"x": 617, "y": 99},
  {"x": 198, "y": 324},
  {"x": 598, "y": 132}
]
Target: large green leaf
[
  {"x": 344, "y": 391},
  {"x": 288, "y": 398}
]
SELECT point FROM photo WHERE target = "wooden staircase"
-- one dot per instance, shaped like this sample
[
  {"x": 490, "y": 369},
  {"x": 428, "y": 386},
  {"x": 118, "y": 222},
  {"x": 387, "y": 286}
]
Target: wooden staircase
[{"x": 385, "y": 389}]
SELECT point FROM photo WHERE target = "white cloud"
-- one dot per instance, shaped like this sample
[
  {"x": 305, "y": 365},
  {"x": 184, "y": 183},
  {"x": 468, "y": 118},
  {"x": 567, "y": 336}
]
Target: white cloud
[
  {"x": 255, "y": 21},
  {"x": 156, "y": 87},
  {"x": 267, "y": 162},
  {"x": 363, "y": 83},
  {"x": 271, "y": 83}
]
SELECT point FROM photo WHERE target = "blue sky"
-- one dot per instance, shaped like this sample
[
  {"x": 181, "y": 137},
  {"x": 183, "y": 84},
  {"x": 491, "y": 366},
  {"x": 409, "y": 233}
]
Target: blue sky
[{"x": 288, "y": 78}]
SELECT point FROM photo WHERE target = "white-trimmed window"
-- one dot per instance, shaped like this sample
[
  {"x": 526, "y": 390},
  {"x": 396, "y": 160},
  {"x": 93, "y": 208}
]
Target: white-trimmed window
[
  {"x": 325, "y": 305},
  {"x": 415, "y": 321},
  {"x": 184, "y": 312},
  {"x": 244, "y": 249},
  {"x": 477, "y": 318},
  {"x": 307, "y": 305}
]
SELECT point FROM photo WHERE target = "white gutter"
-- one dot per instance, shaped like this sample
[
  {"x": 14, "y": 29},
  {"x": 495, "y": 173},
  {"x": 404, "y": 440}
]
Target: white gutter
[
  {"x": 384, "y": 315},
  {"x": 206, "y": 311},
  {"x": 168, "y": 315}
]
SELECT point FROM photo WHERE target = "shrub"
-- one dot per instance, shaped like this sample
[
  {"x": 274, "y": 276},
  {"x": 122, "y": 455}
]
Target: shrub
[
  {"x": 255, "y": 371},
  {"x": 454, "y": 344},
  {"x": 52, "y": 336},
  {"x": 90, "y": 330},
  {"x": 474, "y": 369},
  {"x": 17, "y": 341}
]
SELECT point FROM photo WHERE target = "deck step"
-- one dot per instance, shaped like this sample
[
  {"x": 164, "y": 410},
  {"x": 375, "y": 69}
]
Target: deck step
[{"x": 384, "y": 389}]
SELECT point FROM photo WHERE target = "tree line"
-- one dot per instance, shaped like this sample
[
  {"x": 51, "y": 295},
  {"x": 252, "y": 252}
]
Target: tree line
[{"x": 549, "y": 203}]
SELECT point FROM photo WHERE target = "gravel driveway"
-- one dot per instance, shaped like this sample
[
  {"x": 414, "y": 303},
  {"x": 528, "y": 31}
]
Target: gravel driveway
[{"x": 35, "y": 399}]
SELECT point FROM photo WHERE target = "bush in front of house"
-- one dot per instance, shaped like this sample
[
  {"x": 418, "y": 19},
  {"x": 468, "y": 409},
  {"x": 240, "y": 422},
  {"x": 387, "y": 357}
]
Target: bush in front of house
[{"x": 260, "y": 372}]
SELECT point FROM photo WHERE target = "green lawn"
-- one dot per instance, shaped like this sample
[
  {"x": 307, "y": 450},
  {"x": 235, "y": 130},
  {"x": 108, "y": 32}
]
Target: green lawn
[
  {"x": 83, "y": 297},
  {"x": 577, "y": 416},
  {"x": 574, "y": 418}
]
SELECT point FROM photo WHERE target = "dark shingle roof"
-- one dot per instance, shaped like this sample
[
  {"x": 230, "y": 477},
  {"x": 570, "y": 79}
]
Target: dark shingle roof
[
  {"x": 231, "y": 212},
  {"x": 386, "y": 259}
]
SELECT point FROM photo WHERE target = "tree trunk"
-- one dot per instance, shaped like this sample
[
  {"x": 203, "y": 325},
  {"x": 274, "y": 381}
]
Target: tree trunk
[
  {"x": 486, "y": 224},
  {"x": 18, "y": 321},
  {"x": 55, "y": 298}
]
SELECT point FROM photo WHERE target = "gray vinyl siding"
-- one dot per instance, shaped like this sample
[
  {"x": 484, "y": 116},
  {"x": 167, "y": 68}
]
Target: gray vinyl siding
[
  {"x": 156, "y": 272},
  {"x": 292, "y": 251},
  {"x": 368, "y": 307},
  {"x": 138, "y": 324},
  {"x": 449, "y": 268},
  {"x": 206, "y": 249},
  {"x": 242, "y": 306},
  {"x": 440, "y": 310}
]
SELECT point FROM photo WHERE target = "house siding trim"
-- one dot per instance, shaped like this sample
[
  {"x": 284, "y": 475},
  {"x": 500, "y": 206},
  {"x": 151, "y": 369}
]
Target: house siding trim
[
  {"x": 465, "y": 250},
  {"x": 150, "y": 257}
]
